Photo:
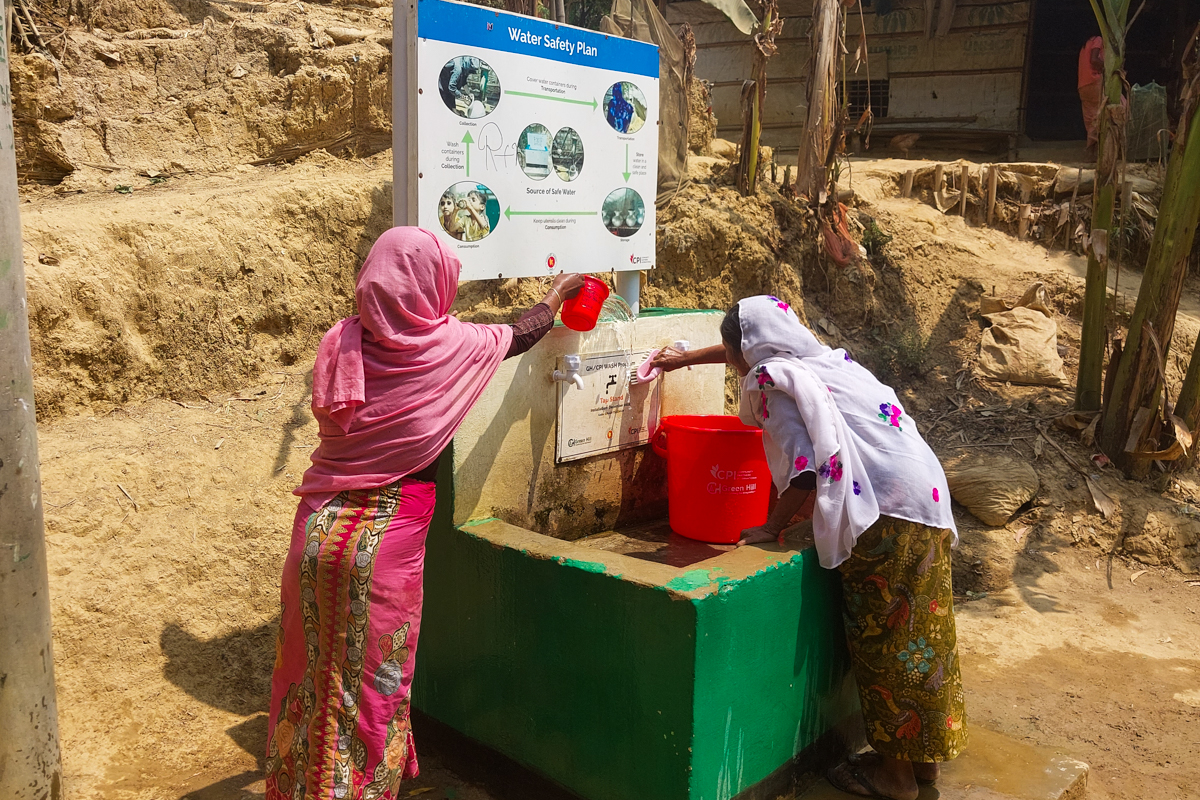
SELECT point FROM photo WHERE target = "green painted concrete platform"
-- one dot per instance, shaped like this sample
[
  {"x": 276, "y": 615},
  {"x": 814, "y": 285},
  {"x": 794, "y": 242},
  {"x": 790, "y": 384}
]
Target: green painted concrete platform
[{"x": 635, "y": 665}]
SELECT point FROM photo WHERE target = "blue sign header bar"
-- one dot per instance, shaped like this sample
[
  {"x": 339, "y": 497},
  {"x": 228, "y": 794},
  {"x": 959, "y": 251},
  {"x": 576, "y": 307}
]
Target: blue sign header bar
[{"x": 476, "y": 26}]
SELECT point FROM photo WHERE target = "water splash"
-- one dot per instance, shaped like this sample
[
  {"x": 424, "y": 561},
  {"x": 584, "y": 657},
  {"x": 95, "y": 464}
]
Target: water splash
[{"x": 615, "y": 309}]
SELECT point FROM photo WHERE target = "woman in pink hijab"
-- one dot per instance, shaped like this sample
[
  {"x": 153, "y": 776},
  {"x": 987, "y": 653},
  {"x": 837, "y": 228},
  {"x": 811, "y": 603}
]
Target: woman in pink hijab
[{"x": 390, "y": 388}]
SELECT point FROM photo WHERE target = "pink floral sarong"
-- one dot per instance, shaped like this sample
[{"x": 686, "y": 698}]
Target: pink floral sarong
[{"x": 339, "y": 716}]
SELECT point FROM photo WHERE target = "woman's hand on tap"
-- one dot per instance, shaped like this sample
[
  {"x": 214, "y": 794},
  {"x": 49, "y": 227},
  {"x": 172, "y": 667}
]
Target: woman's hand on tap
[{"x": 670, "y": 359}]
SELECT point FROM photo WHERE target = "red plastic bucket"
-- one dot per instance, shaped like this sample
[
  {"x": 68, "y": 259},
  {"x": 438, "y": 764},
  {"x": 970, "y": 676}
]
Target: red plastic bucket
[
  {"x": 581, "y": 311},
  {"x": 718, "y": 482}
]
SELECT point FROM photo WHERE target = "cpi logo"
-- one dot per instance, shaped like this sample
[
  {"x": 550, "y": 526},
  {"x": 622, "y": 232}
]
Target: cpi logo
[
  {"x": 730, "y": 474},
  {"x": 551, "y": 261},
  {"x": 639, "y": 259},
  {"x": 721, "y": 474}
]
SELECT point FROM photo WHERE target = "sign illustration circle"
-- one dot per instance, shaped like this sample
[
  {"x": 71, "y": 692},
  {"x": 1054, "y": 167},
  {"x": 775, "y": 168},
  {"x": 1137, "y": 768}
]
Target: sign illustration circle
[
  {"x": 623, "y": 212},
  {"x": 625, "y": 107},
  {"x": 469, "y": 87},
  {"x": 468, "y": 211}
]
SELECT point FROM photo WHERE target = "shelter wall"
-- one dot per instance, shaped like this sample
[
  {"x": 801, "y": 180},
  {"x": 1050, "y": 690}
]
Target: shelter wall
[{"x": 970, "y": 79}]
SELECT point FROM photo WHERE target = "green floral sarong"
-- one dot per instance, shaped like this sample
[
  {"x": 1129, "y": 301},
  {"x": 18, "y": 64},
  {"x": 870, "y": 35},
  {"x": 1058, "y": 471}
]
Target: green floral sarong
[{"x": 899, "y": 614}]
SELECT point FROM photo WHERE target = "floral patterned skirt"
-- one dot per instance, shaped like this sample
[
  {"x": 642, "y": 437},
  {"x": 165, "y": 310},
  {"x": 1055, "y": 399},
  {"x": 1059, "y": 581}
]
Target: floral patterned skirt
[
  {"x": 899, "y": 614},
  {"x": 339, "y": 716}
]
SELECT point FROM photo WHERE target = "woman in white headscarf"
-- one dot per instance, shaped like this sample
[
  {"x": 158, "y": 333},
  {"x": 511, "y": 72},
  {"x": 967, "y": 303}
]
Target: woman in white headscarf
[{"x": 882, "y": 518}]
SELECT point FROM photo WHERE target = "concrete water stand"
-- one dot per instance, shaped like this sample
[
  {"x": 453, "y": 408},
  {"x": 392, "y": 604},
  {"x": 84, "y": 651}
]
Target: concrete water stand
[
  {"x": 627, "y": 664},
  {"x": 621, "y": 677}
]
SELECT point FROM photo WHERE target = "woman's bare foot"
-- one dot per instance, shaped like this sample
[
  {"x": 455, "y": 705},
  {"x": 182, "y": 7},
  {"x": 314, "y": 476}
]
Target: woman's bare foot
[
  {"x": 887, "y": 778},
  {"x": 927, "y": 771},
  {"x": 924, "y": 771}
]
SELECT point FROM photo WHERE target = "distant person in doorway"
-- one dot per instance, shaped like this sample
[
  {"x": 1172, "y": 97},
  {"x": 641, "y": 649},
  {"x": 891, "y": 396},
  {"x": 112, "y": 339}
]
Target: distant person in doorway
[
  {"x": 882, "y": 518},
  {"x": 390, "y": 388},
  {"x": 1091, "y": 88}
]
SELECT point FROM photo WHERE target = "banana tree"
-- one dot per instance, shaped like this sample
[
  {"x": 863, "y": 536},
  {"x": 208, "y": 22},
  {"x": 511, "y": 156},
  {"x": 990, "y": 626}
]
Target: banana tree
[
  {"x": 816, "y": 138},
  {"x": 754, "y": 92},
  {"x": 1112, "y": 16},
  {"x": 1138, "y": 416}
]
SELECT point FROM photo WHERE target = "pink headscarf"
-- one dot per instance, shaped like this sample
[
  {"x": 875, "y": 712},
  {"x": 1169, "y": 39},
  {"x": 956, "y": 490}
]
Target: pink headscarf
[{"x": 392, "y": 385}]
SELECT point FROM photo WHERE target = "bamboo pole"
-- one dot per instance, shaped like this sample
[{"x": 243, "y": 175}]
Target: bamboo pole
[
  {"x": 966, "y": 184},
  {"x": 908, "y": 183},
  {"x": 938, "y": 177},
  {"x": 30, "y": 762},
  {"x": 1023, "y": 221},
  {"x": 993, "y": 178}
]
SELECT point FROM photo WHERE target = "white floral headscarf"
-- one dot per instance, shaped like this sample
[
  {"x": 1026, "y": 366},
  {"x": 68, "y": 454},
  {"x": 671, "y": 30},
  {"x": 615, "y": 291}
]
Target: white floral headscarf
[{"x": 822, "y": 412}]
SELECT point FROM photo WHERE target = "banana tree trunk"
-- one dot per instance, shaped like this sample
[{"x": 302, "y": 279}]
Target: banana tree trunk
[
  {"x": 1111, "y": 15},
  {"x": 754, "y": 95},
  {"x": 1139, "y": 376},
  {"x": 821, "y": 118}
]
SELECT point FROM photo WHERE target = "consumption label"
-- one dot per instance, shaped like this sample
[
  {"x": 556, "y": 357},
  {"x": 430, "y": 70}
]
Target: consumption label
[
  {"x": 537, "y": 143},
  {"x": 608, "y": 413}
]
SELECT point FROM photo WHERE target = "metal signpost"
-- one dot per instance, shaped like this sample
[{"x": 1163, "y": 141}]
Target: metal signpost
[{"x": 30, "y": 765}]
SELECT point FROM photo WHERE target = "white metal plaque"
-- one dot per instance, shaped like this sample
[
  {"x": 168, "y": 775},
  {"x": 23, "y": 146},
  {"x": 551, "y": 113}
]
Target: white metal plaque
[
  {"x": 537, "y": 143},
  {"x": 608, "y": 414}
]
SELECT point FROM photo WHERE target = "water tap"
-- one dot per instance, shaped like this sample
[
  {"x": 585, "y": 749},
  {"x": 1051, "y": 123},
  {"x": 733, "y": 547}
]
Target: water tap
[
  {"x": 573, "y": 363},
  {"x": 682, "y": 345}
]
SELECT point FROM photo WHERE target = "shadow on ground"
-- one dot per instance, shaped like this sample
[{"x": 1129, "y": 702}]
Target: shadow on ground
[{"x": 232, "y": 673}]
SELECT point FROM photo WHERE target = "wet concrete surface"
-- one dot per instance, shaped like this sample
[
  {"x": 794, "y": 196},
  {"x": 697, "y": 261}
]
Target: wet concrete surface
[{"x": 655, "y": 541}]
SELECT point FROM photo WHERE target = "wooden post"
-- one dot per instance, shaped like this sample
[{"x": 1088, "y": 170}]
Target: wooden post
[
  {"x": 908, "y": 183},
  {"x": 966, "y": 184},
  {"x": 993, "y": 178},
  {"x": 30, "y": 765},
  {"x": 1023, "y": 220}
]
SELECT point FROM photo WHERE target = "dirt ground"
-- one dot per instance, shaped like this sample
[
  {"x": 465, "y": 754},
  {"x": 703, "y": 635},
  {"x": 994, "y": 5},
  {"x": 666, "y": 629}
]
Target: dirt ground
[
  {"x": 167, "y": 517},
  {"x": 165, "y": 612}
]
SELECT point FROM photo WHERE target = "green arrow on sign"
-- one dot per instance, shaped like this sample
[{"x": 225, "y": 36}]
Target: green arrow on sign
[
  {"x": 591, "y": 102},
  {"x": 509, "y": 213},
  {"x": 468, "y": 141},
  {"x": 626, "y": 172}
]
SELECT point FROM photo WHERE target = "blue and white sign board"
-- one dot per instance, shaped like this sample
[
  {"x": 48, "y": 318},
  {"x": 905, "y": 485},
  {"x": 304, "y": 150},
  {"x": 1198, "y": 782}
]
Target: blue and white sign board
[{"x": 537, "y": 143}]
